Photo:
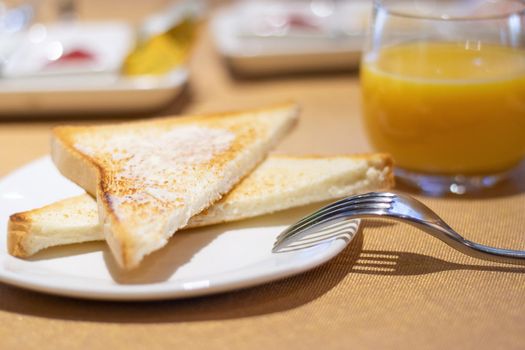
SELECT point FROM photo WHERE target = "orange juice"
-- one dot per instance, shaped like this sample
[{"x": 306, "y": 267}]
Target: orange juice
[{"x": 446, "y": 108}]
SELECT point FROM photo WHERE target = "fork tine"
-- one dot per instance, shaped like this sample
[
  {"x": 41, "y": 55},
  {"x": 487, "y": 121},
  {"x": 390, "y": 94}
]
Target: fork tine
[
  {"x": 337, "y": 213},
  {"x": 316, "y": 220},
  {"x": 363, "y": 204},
  {"x": 331, "y": 230},
  {"x": 345, "y": 228},
  {"x": 338, "y": 226},
  {"x": 287, "y": 234},
  {"x": 320, "y": 238},
  {"x": 345, "y": 231},
  {"x": 370, "y": 197},
  {"x": 319, "y": 217},
  {"x": 347, "y": 236}
]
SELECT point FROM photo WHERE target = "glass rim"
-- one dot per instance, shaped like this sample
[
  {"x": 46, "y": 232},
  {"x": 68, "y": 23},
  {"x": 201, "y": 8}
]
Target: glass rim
[{"x": 380, "y": 4}]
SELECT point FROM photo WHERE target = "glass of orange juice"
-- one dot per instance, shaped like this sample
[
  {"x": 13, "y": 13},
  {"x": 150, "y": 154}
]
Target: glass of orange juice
[{"x": 443, "y": 85}]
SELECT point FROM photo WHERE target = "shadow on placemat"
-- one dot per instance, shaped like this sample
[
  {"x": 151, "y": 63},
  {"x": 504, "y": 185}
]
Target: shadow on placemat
[
  {"x": 394, "y": 263},
  {"x": 270, "y": 298}
]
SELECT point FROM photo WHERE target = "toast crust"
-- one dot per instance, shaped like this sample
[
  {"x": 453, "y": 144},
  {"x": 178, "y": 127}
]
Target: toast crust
[
  {"x": 18, "y": 230},
  {"x": 102, "y": 176}
]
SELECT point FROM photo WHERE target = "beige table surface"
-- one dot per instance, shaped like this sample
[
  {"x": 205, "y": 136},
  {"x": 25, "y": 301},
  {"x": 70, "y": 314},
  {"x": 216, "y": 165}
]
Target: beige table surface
[{"x": 434, "y": 298}]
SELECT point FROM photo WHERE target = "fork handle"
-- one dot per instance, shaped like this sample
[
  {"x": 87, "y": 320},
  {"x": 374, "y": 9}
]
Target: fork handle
[
  {"x": 473, "y": 249},
  {"x": 509, "y": 256}
]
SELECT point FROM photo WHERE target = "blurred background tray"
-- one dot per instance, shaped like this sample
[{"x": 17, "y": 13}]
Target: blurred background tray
[
  {"x": 269, "y": 37},
  {"x": 76, "y": 67},
  {"x": 90, "y": 93}
]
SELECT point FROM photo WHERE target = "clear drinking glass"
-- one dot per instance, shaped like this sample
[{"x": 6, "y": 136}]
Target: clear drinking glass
[{"x": 443, "y": 86}]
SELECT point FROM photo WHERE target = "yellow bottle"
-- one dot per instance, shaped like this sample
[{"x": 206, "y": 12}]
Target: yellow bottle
[{"x": 162, "y": 52}]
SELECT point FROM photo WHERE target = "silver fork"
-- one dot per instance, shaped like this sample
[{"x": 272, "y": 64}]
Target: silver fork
[{"x": 388, "y": 205}]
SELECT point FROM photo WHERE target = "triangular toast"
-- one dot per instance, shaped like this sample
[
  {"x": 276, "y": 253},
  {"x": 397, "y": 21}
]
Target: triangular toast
[
  {"x": 150, "y": 177},
  {"x": 279, "y": 183}
]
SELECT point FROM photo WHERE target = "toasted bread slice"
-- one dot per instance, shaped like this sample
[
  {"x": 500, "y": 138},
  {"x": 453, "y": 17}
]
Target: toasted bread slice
[
  {"x": 150, "y": 177},
  {"x": 72, "y": 220},
  {"x": 279, "y": 183}
]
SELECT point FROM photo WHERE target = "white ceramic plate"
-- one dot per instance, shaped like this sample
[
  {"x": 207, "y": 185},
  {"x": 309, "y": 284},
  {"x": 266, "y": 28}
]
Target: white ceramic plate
[{"x": 196, "y": 262}]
